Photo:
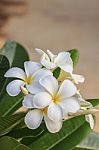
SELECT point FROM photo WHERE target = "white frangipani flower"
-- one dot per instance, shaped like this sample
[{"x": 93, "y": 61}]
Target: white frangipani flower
[
  {"x": 62, "y": 60},
  {"x": 34, "y": 117},
  {"x": 51, "y": 61},
  {"x": 29, "y": 78},
  {"x": 59, "y": 100}
]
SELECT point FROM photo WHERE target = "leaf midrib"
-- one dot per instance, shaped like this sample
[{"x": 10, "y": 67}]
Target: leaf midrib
[
  {"x": 62, "y": 138},
  {"x": 65, "y": 136},
  {"x": 11, "y": 108}
]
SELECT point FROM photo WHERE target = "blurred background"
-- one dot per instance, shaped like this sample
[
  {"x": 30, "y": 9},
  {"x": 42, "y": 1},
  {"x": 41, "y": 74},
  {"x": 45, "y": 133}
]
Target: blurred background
[{"x": 57, "y": 25}]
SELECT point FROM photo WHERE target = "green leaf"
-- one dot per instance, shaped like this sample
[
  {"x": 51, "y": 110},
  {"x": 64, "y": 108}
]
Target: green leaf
[
  {"x": 9, "y": 122},
  {"x": 81, "y": 149},
  {"x": 24, "y": 132},
  {"x": 8, "y": 143},
  {"x": 10, "y": 104},
  {"x": 94, "y": 102},
  {"x": 48, "y": 140},
  {"x": 56, "y": 72},
  {"x": 91, "y": 142},
  {"x": 4, "y": 66},
  {"x": 30, "y": 139},
  {"x": 74, "y": 55},
  {"x": 74, "y": 139},
  {"x": 16, "y": 55}
]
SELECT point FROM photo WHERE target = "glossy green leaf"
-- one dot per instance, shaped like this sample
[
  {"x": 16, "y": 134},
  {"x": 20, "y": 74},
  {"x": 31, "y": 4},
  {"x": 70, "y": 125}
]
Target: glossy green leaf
[
  {"x": 30, "y": 139},
  {"x": 91, "y": 142},
  {"x": 24, "y": 132},
  {"x": 4, "y": 66},
  {"x": 94, "y": 102},
  {"x": 8, "y": 143},
  {"x": 9, "y": 104},
  {"x": 9, "y": 122},
  {"x": 48, "y": 140},
  {"x": 74, "y": 139},
  {"x": 81, "y": 148},
  {"x": 74, "y": 55},
  {"x": 16, "y": 55}
]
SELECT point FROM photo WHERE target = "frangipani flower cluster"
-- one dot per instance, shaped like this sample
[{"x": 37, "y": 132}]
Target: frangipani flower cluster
[{"x": 47, "y": 98}]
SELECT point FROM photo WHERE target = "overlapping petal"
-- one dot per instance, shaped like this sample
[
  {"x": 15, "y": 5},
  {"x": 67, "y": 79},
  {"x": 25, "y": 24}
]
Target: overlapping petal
[
  {"x": 42, "y": 53},
  {"x": 50, "y": 84},
  {"x": 35, "y": 87},
  {"x": 55, "y": 112},
  {"x": 64, "y": 58},
  {"x": 16, "y": 72},
  {"x": 51, "y": 55},
  {"x": 42, "y": 100},
  {"x": 78, "y": 78},
  {"x": 70, "y": 105},
  {"x": 33, "y": 118},
  {"x": 64, "y": 61},
  {"x": 67, "y": 89},
  {"x": 48, "y": 64},
  {"x": 31, "y": 67},
  {"x": 28, "y": 101},
  {"x": 52, "y": 126},
  {"x": 41, "y": 74},
  {"x": 13, "y": 88}
]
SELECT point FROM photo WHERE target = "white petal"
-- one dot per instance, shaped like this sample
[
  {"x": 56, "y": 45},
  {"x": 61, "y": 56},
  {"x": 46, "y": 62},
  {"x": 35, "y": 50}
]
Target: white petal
[
  {"x": 67, "y": 89},
  {"x": 35, "y": 87},
  {"x": 41, "y": 52},
  {"x": 47, "y": 64},
  {"x": 70, "y": 105},
  {"x": 64, "y": 57},
  {"x": 51, "y": 55},
  {"x": 66, "y": 67},
  {"x": 42, "y": 73},
  {"x": 28, "y": 101},
  {"x": 52, "y": 126},
  {"x": 13, "y": 88},
  {"x": 78, "y": 78},
  {"x": 16, "y": 72},
  {"x": 55, "y": 112},
  {"x": 31, "y": 67},
  {"x": 90, "y": 120},
  {"x": 50, "y": 84},
  {"x": 84, "y": 103},
  {"x": 42, "y": 100},
  {"x": 64, "y": 60},
  {"x": 33, "y": 119}
]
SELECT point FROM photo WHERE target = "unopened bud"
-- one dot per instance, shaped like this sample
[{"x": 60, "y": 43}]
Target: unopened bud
[{"x": 24, "y": 90}]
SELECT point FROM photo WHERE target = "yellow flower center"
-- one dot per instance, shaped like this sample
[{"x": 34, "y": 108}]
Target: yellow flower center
[
  {"x": 63, "y": 75},
  {"x": 29, "y": 79},
  {"x": 44, "y": 110},
  {"x": 56, "y": 98}
]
